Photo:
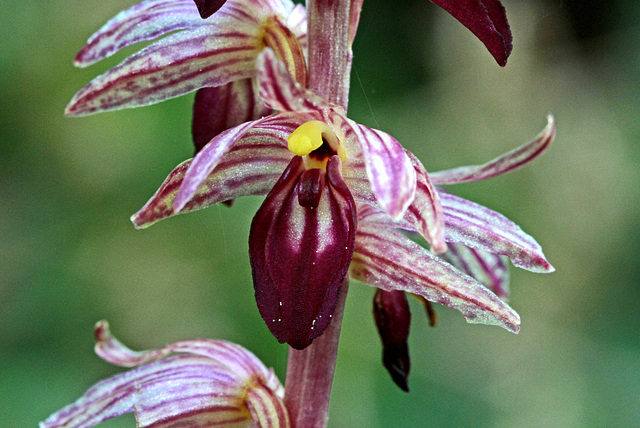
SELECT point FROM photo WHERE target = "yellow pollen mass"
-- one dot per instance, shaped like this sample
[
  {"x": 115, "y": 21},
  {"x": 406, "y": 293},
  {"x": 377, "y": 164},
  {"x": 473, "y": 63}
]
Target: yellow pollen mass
[{"x": 307, "y": 137}]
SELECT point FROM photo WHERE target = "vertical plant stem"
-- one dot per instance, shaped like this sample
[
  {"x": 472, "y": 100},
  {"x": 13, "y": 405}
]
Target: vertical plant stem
[
  {"x": 310, "y": 373},
  {"x": 329, "y": 49}
]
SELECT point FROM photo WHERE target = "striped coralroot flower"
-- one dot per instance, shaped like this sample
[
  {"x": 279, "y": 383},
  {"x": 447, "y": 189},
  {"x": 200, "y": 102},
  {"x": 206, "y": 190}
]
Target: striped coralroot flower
[
  {"x": 215, "y": 56},
  {"x": 338, "y": 195},
  {"x": 192, "y": 383}
]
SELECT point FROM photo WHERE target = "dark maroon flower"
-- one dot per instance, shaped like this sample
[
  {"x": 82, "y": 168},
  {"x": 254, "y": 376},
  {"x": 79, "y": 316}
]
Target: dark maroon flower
[{"x": 300, "y": 248}]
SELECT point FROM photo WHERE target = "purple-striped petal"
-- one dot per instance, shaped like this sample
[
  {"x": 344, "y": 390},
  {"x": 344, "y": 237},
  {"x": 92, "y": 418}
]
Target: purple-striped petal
[
  {"x": 205, "y": 385},
  {"x": 173, "y": 66},
  {"x": 144, "y": 21},
  {"x": 501, "y": 165},
  {"x": 267, "y": 409},
  {"x": 222, "y": 107},
  {"x": 392, "y": 177},
  {"x": 279, "y": 90},
  {"x": 490, "y": 269},
  {"x": 424, "y": 215},
  {"x": 486, "y": 19},
  {"x": 234, "y": 357},
  {"x": 206, "y": 160},
  {"x": 251, "y": 166},
  {"x": 300, "y": 247},
  {"x": 479, "y": 227},
  {"x": 387, "y": 259},
  {"x": 271, "y": 129},
  {"x": 425, "y": 212},
  {"x": 208, "y": 7}
]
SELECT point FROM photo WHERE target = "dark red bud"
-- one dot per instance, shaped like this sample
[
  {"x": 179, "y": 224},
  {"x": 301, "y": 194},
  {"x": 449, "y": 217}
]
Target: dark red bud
[{"x": 393, "y": 318}]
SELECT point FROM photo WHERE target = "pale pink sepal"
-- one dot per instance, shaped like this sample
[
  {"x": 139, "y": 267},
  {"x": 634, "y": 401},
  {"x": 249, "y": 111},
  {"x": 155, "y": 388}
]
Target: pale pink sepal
[
  {"x": 173, "y": 66},
  {"x": 479, "y": 227},
  {"x": 387, "y": 259},
  {"x": 490, "y": 269},
  {"x": 280, "y": 91},
  {"x": 502, "y": 164},
  {"x": 250, "y": 167},
  {"x": 144, "y": 21},
  {"x": 272, "y": 129},
  {"x": 425, "y": 212},
  {"x": 205, "y": 161},
  {"x": 193, "y": 383},
  {"x": 392, "y": 176}
]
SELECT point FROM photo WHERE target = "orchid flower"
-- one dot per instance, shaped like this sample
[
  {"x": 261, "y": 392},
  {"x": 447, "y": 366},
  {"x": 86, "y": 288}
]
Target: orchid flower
[
  {"x": 479, "y": 242},
  {"x": 192, "y": 383},
  {"x": 216, "y": 56},
  {"x": 315, "y": 164},
  {"x": 338, "y": 205},
  {"x": 487, "y": 20}
]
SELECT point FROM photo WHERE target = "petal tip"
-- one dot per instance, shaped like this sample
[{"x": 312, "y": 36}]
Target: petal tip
[
  {"x": 101, "y": 331},
  {"x": 138, "y": 221}
]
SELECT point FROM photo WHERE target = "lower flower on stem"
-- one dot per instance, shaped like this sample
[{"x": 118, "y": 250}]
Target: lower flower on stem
[{"x": 192, "y": 383}]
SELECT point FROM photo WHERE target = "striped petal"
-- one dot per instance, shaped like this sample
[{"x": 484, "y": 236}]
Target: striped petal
[
  {"x": 280, "y": 91},
  {"x": 487, "y": 20},
  {"x": 267, "y": 409},
  {"x": 425, "y": 212},
  {"x": 173, "y": 66},
  {"x": 387, "y": 259},
  {"x": 272, "y": 130},
  {"x": 205, "y": 384},
  {"x": 479, "y": 227},
  {"x": 501, "y": 165},
  {"x": 300, "y": 247},
  {"x": 251, "y": 166},
  {"x": 222, "y": 107},
  {"x": 392, "y": 176},
  {"x": 144, "y": 21},
  {"x": 489, "y": 269}
]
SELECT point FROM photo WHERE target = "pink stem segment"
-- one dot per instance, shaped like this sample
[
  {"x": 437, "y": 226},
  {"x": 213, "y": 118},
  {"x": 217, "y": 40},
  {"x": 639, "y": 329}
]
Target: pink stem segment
[{"x": 329, "y": 49}]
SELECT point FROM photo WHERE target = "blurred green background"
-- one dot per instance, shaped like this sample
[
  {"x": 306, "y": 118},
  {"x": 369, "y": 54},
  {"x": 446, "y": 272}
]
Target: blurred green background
[{"x": 69, "y": 255}]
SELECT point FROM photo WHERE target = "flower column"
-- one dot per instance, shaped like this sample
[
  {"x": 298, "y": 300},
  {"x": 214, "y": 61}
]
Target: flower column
[{"x": 310, "y": 371}]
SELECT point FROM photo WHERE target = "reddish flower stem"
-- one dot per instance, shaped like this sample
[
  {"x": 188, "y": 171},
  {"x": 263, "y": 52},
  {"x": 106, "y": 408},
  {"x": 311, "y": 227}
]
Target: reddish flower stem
[
  {"x": 329, "y": 50},
  {"x": 310, "y": 371}
]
